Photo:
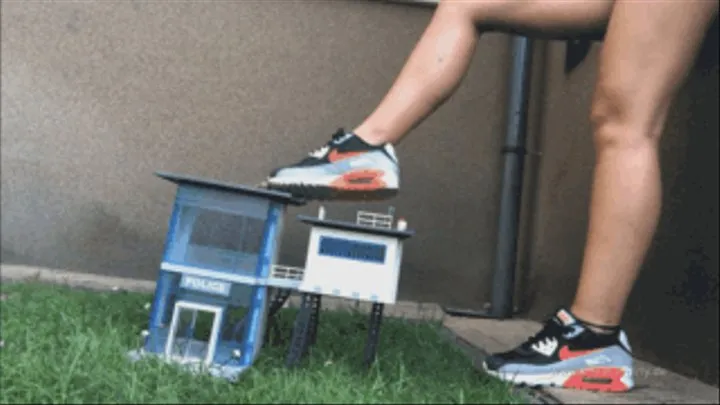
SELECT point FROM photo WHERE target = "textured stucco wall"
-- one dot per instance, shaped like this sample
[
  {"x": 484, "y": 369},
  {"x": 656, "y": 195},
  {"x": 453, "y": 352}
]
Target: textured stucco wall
[{"x": 98, "y": 95}]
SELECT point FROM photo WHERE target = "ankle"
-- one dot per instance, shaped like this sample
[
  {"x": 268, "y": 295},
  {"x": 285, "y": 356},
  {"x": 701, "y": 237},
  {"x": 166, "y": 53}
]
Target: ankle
[
  {"x": 598, "y": 324},
  {"x": 372, "y": 136},
  {"x": 604, "y": 330}
]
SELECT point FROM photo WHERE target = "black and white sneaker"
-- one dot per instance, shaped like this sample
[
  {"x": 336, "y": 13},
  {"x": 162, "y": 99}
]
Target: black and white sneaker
[
  {"x": 565, "y": 353},
  {"x": 346, "y": 168}
]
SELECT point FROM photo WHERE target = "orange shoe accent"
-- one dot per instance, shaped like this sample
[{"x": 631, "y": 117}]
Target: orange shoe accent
[
  {"x": 565, "y": 353},
  {"x": 335, "y": 156},
  {"x": 360, "y": 180},
  {"x": 606, "y": 379}
]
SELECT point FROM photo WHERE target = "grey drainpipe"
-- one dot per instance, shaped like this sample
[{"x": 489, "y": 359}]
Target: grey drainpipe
[{"x": 501, "y": 306}]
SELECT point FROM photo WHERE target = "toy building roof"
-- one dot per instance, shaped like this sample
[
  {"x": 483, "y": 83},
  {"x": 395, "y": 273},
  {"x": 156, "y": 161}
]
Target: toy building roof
[
  {"x": 351, "y": 226},
  {"x": 277, "y": 196}
]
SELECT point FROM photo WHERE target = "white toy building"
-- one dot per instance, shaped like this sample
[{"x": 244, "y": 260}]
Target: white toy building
[{"x": 357, "y": 261}]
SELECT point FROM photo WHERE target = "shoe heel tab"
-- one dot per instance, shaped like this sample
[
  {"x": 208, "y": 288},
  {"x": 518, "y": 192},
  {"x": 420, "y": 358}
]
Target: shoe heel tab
[
  {"x": 624, "y": 342},
  {"x": 390, "y": 150}
]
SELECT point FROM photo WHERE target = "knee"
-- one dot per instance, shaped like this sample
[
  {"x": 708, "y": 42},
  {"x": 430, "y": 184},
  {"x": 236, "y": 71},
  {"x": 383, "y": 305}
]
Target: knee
[
  {"x": 623, "y": 120},
  {"x": 479, "y": 11},
  {"x": 454, "y": 8}
]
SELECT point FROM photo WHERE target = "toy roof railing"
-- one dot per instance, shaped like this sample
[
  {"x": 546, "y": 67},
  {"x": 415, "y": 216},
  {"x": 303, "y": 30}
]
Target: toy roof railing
[
  {"x": 374, "y": 219},
  {"x": 353, "y": 227},
  {"x": 277, "y": 196}
]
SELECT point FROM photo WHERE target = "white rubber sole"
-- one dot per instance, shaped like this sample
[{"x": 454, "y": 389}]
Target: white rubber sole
[
  {"x": 391, "y": 181},
  {"x": 324, "y": 192},
  {"x": 534, "y": 380},
  {"x": 557, "y": 379}
]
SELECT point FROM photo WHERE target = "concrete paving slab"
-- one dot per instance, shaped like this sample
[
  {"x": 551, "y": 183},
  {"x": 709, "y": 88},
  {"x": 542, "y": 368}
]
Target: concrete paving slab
[{"x": 654, "y": 385}]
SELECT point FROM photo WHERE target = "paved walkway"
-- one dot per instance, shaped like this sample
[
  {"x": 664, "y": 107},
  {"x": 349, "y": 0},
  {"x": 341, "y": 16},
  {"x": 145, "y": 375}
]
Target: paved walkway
[
  {"x": 476, "y": 337},
  {"x": 654, "y": 385}
]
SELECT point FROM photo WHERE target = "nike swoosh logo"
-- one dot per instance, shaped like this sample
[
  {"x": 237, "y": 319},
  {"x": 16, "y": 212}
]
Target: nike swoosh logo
[
  {"x": 343, "y": 139},
  {"x": 565, "y": 353},
  {"x": 576, "y": 330},
  {"x": 335, "y": 156}
]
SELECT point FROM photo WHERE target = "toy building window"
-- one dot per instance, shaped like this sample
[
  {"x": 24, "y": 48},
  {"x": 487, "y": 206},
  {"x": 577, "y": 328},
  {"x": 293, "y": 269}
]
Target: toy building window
[
  {"x": 223, "y": 241},
  {"x": 352, "y": 250}
]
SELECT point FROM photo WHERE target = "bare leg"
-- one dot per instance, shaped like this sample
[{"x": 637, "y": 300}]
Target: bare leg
[
  {"x": 364, "y": 167},
  {"x": 442, "y": 56},
  {"x": 648, "y": 51}
]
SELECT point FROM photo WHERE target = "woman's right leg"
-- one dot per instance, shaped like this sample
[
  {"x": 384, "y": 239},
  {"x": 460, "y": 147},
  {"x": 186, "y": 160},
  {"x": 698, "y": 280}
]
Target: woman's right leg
[
  {"x": 363, "y": 165},
  {"x": 441, "y": 58}
]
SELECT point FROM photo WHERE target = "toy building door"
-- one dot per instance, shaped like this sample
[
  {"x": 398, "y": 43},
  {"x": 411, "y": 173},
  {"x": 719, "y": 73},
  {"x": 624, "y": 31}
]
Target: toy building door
[{"x": 184, "y": 344}]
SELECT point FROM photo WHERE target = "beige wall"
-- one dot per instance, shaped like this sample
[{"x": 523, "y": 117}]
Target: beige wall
[{"x": 97, "y": 96}]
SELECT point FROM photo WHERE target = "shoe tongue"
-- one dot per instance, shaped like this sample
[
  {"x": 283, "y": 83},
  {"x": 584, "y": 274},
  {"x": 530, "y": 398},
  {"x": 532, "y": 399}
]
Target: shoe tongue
[{"x": 563, "y": 317}]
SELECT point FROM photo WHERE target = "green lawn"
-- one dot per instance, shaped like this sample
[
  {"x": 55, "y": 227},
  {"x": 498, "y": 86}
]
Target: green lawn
[{"x": 68, "y": 346}]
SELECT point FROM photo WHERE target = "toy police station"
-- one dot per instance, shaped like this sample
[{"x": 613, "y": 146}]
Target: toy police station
[
  {"x": 221, "y": 244},
  {"x": 220, "y": 265}
]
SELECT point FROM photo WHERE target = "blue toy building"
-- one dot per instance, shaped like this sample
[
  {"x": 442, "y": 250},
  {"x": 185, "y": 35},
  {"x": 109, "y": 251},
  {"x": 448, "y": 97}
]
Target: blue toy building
[{"x": 218, "y": 266}]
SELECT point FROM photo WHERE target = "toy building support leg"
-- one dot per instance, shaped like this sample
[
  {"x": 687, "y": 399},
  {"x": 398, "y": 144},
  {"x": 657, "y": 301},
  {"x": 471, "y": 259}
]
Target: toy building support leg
[
  {"x": 373, "y": 333},
  {"x": 315, "y": 302},
  {"x": 279, "y": 299},
  {"x": 301, "y": 330},
  {"x": 272, "y": 329}
]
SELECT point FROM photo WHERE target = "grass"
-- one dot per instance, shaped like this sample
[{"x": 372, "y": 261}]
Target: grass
[{"x": 65, "y": 345}]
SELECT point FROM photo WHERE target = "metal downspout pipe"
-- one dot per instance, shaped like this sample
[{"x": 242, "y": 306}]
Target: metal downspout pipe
[{"x": 503, "y": 285}]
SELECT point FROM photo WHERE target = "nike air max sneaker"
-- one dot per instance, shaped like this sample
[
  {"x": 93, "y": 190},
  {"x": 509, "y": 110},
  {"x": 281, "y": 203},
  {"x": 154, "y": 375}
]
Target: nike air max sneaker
[
  {"x": 567, "y": 354},
  {"x": 346, "y": 168}
]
